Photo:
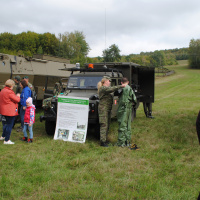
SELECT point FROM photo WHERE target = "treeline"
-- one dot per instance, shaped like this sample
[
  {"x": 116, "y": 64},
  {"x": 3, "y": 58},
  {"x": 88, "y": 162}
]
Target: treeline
[
  {"x": 73, "y": 46},
  {"x": 68, "y": 45},
  {"x": 194, "y": 54},
  {"x": 153, "y": 59},
  {"x": 159, "y": 58}
]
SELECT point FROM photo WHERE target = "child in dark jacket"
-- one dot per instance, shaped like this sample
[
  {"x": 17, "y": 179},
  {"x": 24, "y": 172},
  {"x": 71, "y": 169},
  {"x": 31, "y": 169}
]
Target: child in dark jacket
[{"x": 29, "y": 120}]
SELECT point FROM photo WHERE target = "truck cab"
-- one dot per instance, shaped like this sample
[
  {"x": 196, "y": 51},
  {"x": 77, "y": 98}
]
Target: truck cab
[{"x": 84, "y": 84}]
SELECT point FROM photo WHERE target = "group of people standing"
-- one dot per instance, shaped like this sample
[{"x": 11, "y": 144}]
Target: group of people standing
[
  {"x": 14, "y": 104},
  {"x": 127, "y": 99},
  {"x": 9, "y": 110}
]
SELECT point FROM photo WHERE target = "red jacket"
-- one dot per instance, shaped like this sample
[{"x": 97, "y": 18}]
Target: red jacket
[
  {"x": 29, "y": 116},
  {"x": 8, "y": 102}
]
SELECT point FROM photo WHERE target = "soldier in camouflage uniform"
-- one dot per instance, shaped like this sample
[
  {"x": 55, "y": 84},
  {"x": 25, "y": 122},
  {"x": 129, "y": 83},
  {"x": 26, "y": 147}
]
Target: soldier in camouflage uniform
[
  {"x": 105, "y": 107},
  {"x": 57, "y": 89},
  {"x": 126, "y": 101},
  {"x": 17, "y": 83},
  {"x": 29, "y": 84}
]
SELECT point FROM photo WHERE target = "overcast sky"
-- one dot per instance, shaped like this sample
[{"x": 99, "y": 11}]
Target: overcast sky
[{"x": 133, "y": 25}]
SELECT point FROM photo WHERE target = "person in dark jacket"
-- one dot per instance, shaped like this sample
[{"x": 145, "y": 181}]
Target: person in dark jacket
[
  {"x": 17, "y": 83},
  {"x": 26, "y": 93},
  {"x": 17, "y": 80},
  {"x": 8, "y": 109},
  {"x": 198, "y": 126}
]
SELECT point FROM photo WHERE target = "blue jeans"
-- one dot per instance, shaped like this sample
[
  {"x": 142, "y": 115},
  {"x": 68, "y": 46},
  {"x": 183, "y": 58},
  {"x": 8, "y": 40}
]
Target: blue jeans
[
  {"x": 22, "y": 113},
  {"x": 30, "y": 129},
  {"x": 8, "y": 122}
]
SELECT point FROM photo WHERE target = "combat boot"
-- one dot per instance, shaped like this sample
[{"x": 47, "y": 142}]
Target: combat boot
[{"x": 104, "y": 144}]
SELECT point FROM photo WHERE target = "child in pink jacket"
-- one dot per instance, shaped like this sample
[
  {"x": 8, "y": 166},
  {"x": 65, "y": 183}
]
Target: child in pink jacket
[{"x": 29, "y": 120}]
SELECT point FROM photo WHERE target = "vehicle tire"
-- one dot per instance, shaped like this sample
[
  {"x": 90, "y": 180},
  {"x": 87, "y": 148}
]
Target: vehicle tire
[{"x": 50, "y": 127}]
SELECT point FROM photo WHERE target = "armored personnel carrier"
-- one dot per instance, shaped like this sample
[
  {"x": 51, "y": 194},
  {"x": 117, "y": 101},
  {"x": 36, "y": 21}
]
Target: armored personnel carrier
[
  {"x": 38, "y": 68},
  {"x": 83, "y": 83}
]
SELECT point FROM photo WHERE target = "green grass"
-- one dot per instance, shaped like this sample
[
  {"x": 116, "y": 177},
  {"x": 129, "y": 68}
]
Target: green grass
[{"x": 166, "y": 167}]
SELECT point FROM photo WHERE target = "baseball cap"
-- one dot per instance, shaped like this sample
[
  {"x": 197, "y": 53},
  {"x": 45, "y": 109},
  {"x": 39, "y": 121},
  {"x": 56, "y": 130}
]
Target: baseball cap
[
  {"x": 107, "y": 77},
  {"x": 18, "y": 78}
]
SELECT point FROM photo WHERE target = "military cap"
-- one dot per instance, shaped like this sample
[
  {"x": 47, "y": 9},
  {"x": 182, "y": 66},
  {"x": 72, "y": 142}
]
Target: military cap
[
  {"x": 18, "y": 78},
  {"x": 107, "y": 77},
  {"x": 25, "y": 77}
]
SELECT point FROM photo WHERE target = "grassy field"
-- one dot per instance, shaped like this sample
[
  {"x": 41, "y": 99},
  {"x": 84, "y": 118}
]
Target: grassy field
[{"x": 167, "y": 166}]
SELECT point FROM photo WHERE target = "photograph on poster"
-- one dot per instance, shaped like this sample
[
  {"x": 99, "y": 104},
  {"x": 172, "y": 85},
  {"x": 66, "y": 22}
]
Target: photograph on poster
[
  {"x": 63, "y": 134},
  {"x": 78, "y": 136},
  {"x": 81, "y": 126}
]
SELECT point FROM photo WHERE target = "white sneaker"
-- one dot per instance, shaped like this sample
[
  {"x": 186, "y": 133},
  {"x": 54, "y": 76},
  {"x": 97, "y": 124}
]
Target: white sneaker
[
  {"x": 2, "y": 138},
  {"x": 8, "y": 142}
]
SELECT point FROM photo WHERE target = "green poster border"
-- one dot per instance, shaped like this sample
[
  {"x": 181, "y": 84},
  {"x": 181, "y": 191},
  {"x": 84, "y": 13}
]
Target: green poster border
[{"x": 73, "y": 101}]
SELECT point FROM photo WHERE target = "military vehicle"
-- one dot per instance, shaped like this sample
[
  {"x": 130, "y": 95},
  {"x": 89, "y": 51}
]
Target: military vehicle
[
  {"x": 84, "y": 84},
  {"x": 39, "y": 68}
]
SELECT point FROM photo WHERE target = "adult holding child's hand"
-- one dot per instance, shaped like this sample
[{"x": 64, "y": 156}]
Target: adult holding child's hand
[{"x": 26, "y": 93}]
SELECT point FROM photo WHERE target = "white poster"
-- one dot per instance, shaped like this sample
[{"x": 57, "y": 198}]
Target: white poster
[{"x": 72, "y": 119}]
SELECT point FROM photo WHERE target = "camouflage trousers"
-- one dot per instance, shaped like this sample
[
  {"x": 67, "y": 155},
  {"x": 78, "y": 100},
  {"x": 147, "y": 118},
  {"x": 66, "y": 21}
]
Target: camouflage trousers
[
  {"x": 104, "y": 121},
  {"x": 124, "y": 120}
]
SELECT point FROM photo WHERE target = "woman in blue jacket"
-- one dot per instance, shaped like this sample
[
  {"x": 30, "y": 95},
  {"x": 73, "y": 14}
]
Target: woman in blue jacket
[{"x": 26, "y": 93}]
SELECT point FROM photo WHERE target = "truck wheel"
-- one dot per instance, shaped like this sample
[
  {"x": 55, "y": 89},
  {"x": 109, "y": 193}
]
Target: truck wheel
[{"x": 50, "y": 127}]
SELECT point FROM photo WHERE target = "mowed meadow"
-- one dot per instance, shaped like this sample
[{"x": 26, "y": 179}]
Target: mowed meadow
[{"x": 167, "y": 166}]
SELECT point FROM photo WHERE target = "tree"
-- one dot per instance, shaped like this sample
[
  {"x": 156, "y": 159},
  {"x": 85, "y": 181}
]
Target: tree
[
  {"x": 40, "y": 50},
  {"x": 27, "y": 42},
  {"x": 73, "y": 46},
  {"x": 7, "y": 43},
  {"x": 49, "y": 43},
  {"x": 158, "y": 59},
  {"x": 171, "y": 59},
  {"x": 194, "y": 53},
  {"x": 112, "y": 54}
]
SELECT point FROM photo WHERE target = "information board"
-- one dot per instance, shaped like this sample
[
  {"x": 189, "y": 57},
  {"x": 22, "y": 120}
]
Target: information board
[{"x": 72, "y": 119}]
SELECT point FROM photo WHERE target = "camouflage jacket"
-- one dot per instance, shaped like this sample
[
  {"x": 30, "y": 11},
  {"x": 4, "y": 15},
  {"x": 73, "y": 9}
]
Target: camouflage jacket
[
  {"x": 18, "y": 89},
  {"x": 31, "y": 86},
  {"x": 127, "y": 98},
  {"x": 106, "y": 96},
  {"x": 57, "y": 89},
  {"x": 47, "y": 102}
]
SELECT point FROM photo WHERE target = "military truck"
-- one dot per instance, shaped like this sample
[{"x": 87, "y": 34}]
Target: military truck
[
  {"x": 84, "y": 84},
  {"x": 38, "y": 68}
]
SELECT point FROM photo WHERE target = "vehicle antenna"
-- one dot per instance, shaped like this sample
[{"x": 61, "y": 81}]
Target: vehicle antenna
[
  {"x": 105, "y": 28},
  {"x": 105, "y": 42}
]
